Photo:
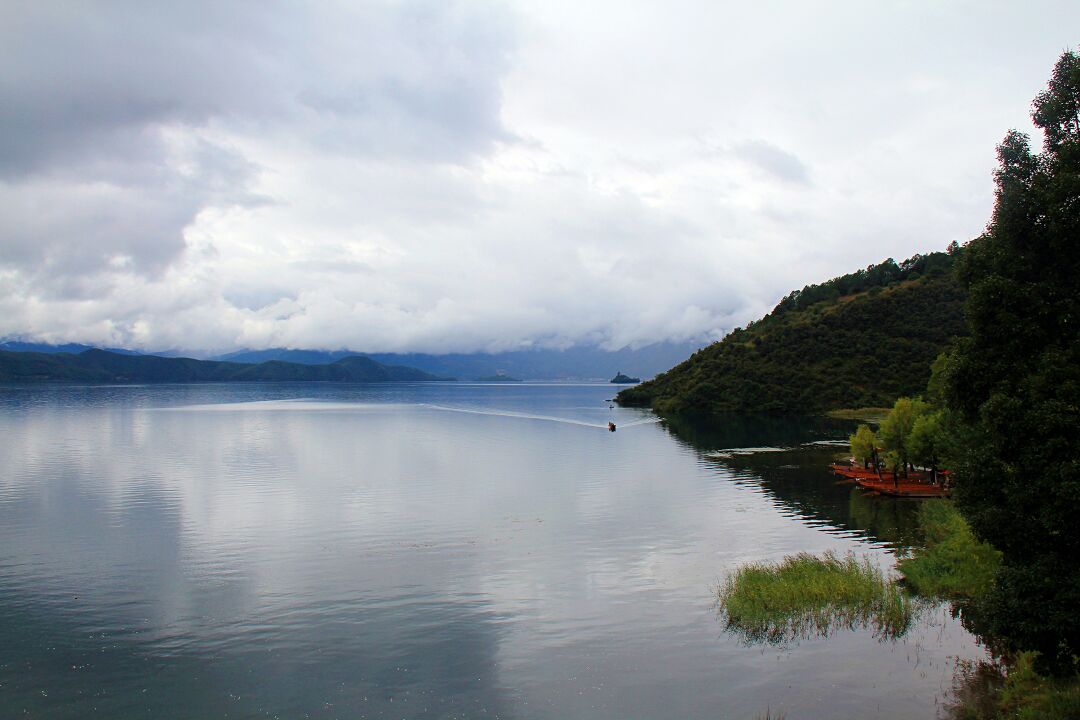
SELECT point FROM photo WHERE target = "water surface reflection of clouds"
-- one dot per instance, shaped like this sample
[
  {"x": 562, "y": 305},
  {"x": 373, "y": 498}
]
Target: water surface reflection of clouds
[
  {"x": 308, "y": 405},
  {"x": 387, "y": 558}
]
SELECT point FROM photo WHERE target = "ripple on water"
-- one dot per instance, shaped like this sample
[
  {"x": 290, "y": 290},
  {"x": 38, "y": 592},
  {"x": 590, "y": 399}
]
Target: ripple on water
[{"x": 414, "y": 551}]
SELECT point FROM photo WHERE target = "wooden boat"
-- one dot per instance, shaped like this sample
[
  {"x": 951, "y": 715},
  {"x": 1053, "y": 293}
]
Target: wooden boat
[
  {"x": 903, "y": 488},
  {"x": 849, "y": 472},
  {"x": 915, "y": 485},
  {"x": 857, "y": 473}
]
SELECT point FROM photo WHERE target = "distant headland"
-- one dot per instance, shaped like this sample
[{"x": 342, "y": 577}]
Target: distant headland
[{"x": 101, "y": 366}]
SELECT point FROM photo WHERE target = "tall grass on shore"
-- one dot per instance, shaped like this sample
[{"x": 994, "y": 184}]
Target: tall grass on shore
[
  {"x": 954, "y": 564},
  {"x": 1012, "y": 691},
  {"x": 806, "y": 596}
]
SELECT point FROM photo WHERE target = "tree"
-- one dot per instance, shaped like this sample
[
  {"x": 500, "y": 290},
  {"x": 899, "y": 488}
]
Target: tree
[
  {"x": 1014, "y": 382},
  {"x": 1057, "y": 108},
  {"x": 893, "y": 463},
  {"x": 928, "y": 441},
  {"x": 864, "y": 446},
  {"x": 935, "y": 387},
  {"x": 896, "y": 429}
]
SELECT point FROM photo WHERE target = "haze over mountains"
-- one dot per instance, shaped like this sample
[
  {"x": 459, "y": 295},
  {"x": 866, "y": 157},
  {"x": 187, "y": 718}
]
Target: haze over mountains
[
  {"x": 100, "y": 366},
  {"x": 572, "y": 363},
  {"x": 73, "y": 348}
]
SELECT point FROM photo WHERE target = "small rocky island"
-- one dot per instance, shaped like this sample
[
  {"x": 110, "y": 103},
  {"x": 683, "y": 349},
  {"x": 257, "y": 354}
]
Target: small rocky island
[{"x": 624, "y": 379}]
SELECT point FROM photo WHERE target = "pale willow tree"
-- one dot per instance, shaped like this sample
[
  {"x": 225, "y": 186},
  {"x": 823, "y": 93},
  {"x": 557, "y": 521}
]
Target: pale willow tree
[
  {"x": 893, "y": 463},
  {"x": 897, "y": 426},
  {"x": 928, "y": 441},
  {"x": 864, "y": 446}
]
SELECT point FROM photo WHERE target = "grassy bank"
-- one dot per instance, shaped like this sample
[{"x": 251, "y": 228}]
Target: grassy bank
[
  {"x": 872, "y": 415},
  {"x": 805, "y": 595},
  {"x": 953, "y": 564},
  {"x": 992, "y": 691}
]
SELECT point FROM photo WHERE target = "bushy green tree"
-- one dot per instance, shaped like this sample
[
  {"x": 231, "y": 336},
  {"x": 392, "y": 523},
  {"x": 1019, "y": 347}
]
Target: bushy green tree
[
  {"x": 896, "y": 428},
  {"x": 928, "y": 441},
  {"x": 935, "y": 387},
  {"x": 1014, "y": 383},
  {"x": 893, "y": 463},
  {"x": 864, "y": 445}
]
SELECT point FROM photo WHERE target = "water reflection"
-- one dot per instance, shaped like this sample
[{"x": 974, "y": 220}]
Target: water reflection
[
  {"x": 348, "y": 551},
  {"x": 821, "y": 623},
  {"x": 974, "y": 693},
  {"x": 787, "y": 457},
  {"x": 742, "y": 431},
  {"x": 426, "y": 659}
]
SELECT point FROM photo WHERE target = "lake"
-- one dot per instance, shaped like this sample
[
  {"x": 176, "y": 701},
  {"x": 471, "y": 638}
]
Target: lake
[{"x": 442, "y": 550}]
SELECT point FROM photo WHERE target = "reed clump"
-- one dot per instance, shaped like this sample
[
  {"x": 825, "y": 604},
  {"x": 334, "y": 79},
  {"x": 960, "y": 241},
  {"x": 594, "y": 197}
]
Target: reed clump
[{"x": 806, "y": 595}]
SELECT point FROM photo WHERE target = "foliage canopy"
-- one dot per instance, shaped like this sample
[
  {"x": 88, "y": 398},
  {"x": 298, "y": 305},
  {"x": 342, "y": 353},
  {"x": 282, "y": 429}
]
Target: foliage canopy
[
  {"x": 896, "y": 429},
  {"x": 864, "y": 444},
  {"x": 1014, "y": 382},
  {"x": 859, "y": 340}
]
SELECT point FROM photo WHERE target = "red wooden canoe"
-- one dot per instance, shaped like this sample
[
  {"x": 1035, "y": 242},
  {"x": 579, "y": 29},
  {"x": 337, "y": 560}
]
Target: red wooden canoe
[
  {"x": 904, "y": 488},
  {"x": 853, "y": 473}
]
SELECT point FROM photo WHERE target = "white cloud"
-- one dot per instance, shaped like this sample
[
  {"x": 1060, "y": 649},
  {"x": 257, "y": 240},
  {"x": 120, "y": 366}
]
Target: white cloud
[{"x": 464, "y": 176}]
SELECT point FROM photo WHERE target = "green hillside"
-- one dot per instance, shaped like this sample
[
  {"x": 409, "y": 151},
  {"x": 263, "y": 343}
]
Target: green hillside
[
  {"x": 859, "y": 340},
  {"x": 100, "y": 366}
]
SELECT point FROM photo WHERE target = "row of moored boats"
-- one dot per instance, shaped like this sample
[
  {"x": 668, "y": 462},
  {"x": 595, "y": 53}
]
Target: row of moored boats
[{"x": 915, "y": 485}]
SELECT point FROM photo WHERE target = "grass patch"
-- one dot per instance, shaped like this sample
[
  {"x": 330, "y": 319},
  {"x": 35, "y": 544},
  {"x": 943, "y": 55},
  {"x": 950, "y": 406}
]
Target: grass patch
[
  {"x": 954, "y": 564},
  {"x": 805, "y": 596},
  {"x": 1028, "y": 695},
  {"x": 987, "y": 692},
  {"x": 872, "y": 415}
]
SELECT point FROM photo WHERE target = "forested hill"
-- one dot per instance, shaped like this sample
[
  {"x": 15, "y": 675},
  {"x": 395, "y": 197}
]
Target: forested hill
[
  {"x": 859, "y": 340},
  {"x": 100, "y": 366}
]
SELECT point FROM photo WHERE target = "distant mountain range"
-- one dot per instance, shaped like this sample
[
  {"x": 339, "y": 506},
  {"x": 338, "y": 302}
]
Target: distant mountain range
[
  {"x": 73, "y": 348},
  {"x": 586, "y": 363},
  {"x": 576, "y": 363},
  {"x": 102, "y": 366}
]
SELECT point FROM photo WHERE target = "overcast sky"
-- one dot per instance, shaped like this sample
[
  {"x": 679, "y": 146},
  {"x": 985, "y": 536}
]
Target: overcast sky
[{"x": 458, "y": 176}]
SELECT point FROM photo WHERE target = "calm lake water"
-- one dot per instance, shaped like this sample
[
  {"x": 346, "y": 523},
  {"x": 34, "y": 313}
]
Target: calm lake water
[{"x": 423, "y": 551}]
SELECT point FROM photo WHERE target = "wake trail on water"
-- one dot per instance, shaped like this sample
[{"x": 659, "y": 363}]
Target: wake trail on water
[
  {"x": 313, "y": 405},
  {"x": 531, "y": 416},
  {"x": 646, "y": 421}
]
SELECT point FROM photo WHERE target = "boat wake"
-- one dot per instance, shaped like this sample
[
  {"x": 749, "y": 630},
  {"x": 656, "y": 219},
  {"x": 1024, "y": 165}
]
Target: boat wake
[
  {"x": 531, "y": 416},
  {"x": 312, "y": 405},
  {"x": 646, "y": 421},
  {"x": 290, "y": 404}
]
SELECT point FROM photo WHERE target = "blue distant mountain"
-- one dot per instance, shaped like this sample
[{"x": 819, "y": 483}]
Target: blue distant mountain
[
  {"x": 573, "y": 363},
  {"x": 100, "y": 366},
  {"x": 301, "y": 357},
  {"x": 72, "y": 348}
]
